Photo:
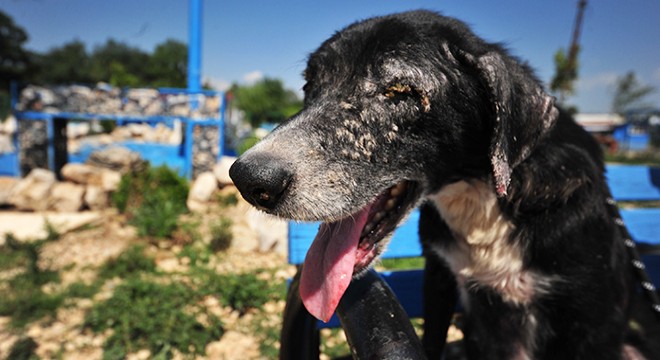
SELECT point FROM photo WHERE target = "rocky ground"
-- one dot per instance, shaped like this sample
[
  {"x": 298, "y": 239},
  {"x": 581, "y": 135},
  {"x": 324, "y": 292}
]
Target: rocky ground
[{"x": 78, "y": 253}]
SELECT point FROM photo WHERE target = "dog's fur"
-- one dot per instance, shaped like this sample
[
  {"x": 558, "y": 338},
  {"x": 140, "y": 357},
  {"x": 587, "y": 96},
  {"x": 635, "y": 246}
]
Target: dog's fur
[{"x": 514, "y": 214}]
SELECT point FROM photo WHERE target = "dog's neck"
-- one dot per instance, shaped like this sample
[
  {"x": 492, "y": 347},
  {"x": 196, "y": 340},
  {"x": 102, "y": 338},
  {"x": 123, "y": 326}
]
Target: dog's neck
[{"x": 483, "y": 253}]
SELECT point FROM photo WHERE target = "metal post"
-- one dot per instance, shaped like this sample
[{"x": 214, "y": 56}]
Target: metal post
[{"x": 194, "y": 45}]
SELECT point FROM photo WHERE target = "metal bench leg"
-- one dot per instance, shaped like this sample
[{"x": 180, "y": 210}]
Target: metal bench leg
[
  {"x": 300, "y": 337},
  {"x": 375, "y": 324}
]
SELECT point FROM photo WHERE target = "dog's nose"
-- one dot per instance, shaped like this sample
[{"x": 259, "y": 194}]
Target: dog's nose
[{"x": 261, "y": 179}]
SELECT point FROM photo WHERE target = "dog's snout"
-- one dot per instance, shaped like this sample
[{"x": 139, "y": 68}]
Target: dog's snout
[{"x": 262, "y": 180}]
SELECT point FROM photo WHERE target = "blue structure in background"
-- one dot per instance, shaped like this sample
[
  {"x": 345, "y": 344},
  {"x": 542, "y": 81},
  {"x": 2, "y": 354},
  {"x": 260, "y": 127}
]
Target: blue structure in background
[
  {"x": 194, "y": 45},
  {"x": 176, "y": 156}
]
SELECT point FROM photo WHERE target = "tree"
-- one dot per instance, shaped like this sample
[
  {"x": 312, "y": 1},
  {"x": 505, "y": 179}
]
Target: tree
[
  {"x": 14, "y": 59},
  {"x": 266, "y": 101},
  {"x": 66, "y": 64},
  {"x": 168, "y": 65},
  {"x": 565, "y": 75},
  {"x": 132, "y": 63},
  {"x": 629, "y": 93}
]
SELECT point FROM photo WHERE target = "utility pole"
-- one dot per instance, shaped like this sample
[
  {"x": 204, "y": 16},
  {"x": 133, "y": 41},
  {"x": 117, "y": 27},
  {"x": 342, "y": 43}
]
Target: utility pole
[
  {"x": 194, "y": 45},
  {"x": 575, "y": 40}
]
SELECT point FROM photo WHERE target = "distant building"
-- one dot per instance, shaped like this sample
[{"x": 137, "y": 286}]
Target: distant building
[{"x": 600, "y": 123}]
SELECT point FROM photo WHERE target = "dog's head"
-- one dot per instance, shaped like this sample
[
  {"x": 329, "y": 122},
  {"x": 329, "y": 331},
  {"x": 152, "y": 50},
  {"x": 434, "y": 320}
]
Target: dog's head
[{"x": 395, "y": 108}]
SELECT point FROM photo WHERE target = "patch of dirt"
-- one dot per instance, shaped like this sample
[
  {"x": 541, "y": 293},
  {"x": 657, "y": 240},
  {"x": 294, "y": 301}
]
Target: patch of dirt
[{"x": 78, "y": 254}]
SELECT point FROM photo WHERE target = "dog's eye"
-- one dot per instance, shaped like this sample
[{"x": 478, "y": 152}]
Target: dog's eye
[
  {"x": 397, "y": 90},
  {"x": 400, "y": 92}
]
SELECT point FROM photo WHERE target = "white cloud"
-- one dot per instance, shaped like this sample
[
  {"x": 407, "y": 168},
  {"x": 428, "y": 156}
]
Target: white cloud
[
  {"x": 252, "y": 77},
  {"x": 217, "y": 84},
  {"x": 603, "y": 80},
  {"x": 656, "y": 74}
]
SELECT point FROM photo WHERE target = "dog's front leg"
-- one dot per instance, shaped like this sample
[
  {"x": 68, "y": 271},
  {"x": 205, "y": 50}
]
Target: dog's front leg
[{"x": 440, "y": 292}]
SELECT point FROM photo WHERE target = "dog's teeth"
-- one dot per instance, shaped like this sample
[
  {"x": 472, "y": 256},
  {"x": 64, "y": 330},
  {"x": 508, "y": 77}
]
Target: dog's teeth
[
  {"x": 398, "y": 189},
  {"x": 390, "y": 204},
  {"x": 379, "y": 216},
  {"x": 367, "y": 229}
]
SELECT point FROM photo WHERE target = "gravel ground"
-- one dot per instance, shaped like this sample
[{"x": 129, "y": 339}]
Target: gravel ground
[{"x": 77, "y": 255}]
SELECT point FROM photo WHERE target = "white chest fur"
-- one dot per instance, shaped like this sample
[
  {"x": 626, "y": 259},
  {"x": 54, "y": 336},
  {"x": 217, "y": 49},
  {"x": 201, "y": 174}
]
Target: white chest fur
[{"x": 483, "y": 255}]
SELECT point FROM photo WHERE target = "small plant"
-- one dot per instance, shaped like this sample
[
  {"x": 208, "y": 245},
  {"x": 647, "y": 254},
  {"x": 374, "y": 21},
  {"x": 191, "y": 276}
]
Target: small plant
[
  {"x": 23, "y": 299},
  {"x": 227, "y": 200},
  {"x": 159, "y": 317},
  {"x": 82, "y": 290},
  {"x": 241, "y": 292},
  {"x": 187, "y": 232},
  {"x": 153, "y": 199},
  {"x": 131, "y": 262},
  {"x": 52, "y": 233},
  {"x": 197, "y": 253},
  {"x": 221, "y": 236},
  {"x": 246, "y": 144},
  {"x": 23, "y": 349}
]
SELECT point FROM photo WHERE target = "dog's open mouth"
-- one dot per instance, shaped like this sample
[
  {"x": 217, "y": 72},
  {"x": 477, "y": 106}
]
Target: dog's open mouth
[{"x": 346, "y": 247}]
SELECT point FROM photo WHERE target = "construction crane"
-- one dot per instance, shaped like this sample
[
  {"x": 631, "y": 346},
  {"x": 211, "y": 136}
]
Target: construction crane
[{"x": 575, "y": 40}]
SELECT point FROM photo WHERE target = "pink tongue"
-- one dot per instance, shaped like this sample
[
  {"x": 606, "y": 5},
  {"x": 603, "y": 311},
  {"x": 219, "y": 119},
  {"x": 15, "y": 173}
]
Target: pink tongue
[{"x": 329, "y": 263}]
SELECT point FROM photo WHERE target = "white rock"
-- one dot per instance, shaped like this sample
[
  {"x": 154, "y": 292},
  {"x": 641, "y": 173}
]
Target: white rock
[
  {"x": 31, "y": 193},
  {"x": 80, "y": 173},
  {"x": 201, "y": 191},
  {"x": 7, "y": 186},
  {"x": 96, "y": 198},
  {"x": 66, "y": 197},
  {"x": 271, "y": 231},
  {"x": 221, "y": 170}
]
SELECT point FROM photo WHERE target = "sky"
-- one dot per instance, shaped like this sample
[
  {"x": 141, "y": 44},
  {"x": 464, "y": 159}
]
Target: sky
[{"x": 245, "y": 40}]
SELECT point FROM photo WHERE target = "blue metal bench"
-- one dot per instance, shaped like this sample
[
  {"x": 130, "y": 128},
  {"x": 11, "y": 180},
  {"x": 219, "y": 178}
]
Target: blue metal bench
[{"x": 300, "y": 335}]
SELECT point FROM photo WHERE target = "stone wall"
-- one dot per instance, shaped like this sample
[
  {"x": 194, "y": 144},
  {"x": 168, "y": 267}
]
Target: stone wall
[{"x": 106, "y": 99}]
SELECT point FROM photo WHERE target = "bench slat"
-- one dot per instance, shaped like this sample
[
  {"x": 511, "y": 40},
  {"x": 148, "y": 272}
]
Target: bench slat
[
  {"x": 643, "y": 224},
  {"x": 404, "y": 241},
  {"x": 634, "y": 182}
]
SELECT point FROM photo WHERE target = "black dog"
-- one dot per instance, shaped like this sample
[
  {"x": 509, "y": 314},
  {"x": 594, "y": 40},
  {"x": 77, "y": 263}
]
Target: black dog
[{"x": 414, "y": 109}]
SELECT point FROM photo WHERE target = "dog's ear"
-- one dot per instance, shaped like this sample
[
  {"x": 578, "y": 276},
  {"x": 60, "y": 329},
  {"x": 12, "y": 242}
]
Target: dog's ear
[{"x": 522, "y": 113}]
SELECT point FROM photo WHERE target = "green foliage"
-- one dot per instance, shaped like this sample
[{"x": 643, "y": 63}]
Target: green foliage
[
  {"x": 566, "y": 72},
  {"x": 403, "y": 263},
  {"x": 159, "y": 317},
  {"x": 153, "y": 199},
  {"x": 246, "y": 144},
  {"x": 197, "y": 254},
  {"x": 221, "y": 236},
  {"x": 68, "y": 63},
  {"x": 158, "y": 216},
  {"x": 629, "y": 93},
  {"x": 26, "y": 302},
  {"x": 241, "y": 292},
  {"x": 227, "y": 200},
  {"x": 23, "y": 349},
  {"x": 168, "y": 65},
  {"x": 23, "y": 298},
  {"x": 82, "y": 290},
  {"x": 15, "y": 62},
  {"x": 131, "y": 262},
  {"x": 266, "y": 101}
]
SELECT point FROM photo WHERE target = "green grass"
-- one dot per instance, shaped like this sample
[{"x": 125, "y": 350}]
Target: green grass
[
  {"x": 241, "y": 292},
  {"x": 221, "y": 236},
  {"x": 159, "y": 317},
  {"x": 133, "y": 261},
  {"x": 403, "y": 263},
  {"x": 651, "y": 157},
  {"x": 23, "y": 298},
  {"x": 153, "y": 199}
]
